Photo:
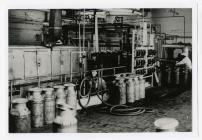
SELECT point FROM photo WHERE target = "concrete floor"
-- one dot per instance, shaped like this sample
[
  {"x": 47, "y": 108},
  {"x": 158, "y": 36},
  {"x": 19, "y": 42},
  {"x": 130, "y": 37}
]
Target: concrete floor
[{"x": 167, "y": 102}]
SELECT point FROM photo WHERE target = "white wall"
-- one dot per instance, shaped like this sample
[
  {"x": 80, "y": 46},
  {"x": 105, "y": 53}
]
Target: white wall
[{"x": 174, "y": 25}]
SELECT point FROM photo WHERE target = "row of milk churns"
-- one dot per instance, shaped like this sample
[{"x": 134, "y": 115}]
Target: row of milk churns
[
  {"x": 56, "y": 106},
  {"x": 129, "y": 88},
  {"x": 173, "y": 76}
]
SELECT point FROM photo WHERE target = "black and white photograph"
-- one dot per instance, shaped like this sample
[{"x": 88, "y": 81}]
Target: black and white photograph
[{"x": 100, "y": 70}]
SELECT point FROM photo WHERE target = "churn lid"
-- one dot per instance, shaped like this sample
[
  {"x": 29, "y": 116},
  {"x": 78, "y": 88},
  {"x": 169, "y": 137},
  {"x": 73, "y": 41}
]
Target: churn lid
[
  {"x": 47, "y": 89},
  {"x": 19, "y": 101},
  {"x": 69, "y": 85},
  {"x": 166, "y": 123},
  {"x": 58, "y": 86},
  {"x": 35, "y": 89}
]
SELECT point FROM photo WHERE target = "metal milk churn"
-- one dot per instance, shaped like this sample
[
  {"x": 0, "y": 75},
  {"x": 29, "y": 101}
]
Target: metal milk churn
[
  {"x": 159, "y": 76},
  {"x": 130, "y": 90},
  {"x": 121, "y": 85},
  {"x": 168, "y": 71},
  {"x": 186, "y": 72},
  {"x": 137, "y": 88},
  {"x": 60, "y": 95},
  {"x": 65, "y": 121},
  {"x": 166, "y": 125},
  {"x": 177, "y": 76},
  {"x": 37, "y": 107},
  {"x": 49, "y": 106},
  {"x": 71, "y": 96},
  {"x": 142, "y": 87},
  {"x": 19, "y": 120}
]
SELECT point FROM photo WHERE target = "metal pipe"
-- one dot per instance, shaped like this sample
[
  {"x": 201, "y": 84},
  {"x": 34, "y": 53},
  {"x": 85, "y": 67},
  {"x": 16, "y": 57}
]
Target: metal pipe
[
  {"x": 37, "y": 66},
  {"x": 79, "y": 38},
  {"x": 70, "y": 66},
  {"x": 11, "y": 93},
  {"x": 83, "y": 29},
  {"x": 61, "y": 67},
  {"x": 96, "y": 35}
]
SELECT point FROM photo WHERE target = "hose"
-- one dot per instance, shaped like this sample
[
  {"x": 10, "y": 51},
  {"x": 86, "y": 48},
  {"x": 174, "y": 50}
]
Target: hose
[
  {"x": 119, "y": 110},
  {"x": 123, "y": 110}
]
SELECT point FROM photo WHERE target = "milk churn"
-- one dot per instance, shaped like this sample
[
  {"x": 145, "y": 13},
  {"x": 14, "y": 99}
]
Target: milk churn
[
  {"x": 37, "y": 107},
  {"x": 130, "y": 90},
  {"x": 65, "y": 121},
  {"x": 186, "y": 72},
  {"x": 19, "y": 121},
  {"x": 137, "y": 88},
  {"x": 159, "y": 76},
  {"x": 166, "y": 125},
  {"x": 60, "y": 95},
  {"x": 121, "y": 85},
  {"x": 71, "y": 96},
  {"x": 142, "y": 87},
  {"x": 168, "y": 71},
  {"x": 49, "y": 106},
  {"x": 177, "y": 76}
]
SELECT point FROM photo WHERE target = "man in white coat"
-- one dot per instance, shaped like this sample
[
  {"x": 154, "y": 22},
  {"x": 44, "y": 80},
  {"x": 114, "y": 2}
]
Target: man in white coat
[{"x": 185, "y": 61}]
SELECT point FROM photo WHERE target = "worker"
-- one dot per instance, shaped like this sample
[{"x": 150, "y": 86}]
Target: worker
[{"x": 184, "y": 60}]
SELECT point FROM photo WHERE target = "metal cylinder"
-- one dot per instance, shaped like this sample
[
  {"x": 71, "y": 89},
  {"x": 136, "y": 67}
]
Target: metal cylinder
[
  {"x": 59, "y": 95},
  {"x": 65, "y": 121},
  {"x": 137, "y": 88},
  {"x": 130, "y": 90},
  {"x": 186, "y": 72},
  {"x": 168, "y": 71},
  {"x": 49, "y": 106},
  {"x": 142, "y": 87},
  {"x": 160, "y": 76},
  {"x": 122, "y": 90},
  {"x": 19, "y": 120},
  {"x": 37, "y": 108},
  {"x": 166, "y": 125},
  {"x": 71, "y": 96},
  {"x": 177, "y": 76}
]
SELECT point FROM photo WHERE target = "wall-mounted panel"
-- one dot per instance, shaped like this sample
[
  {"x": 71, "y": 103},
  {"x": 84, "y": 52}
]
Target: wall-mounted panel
[
  {"x": 56, "y": 62},
  {"x": 18, "y": 64},
  {"x": 30, "y": 64},
  {"x": 10, "y": 65},
  {"x": 66, "y": 61},
  {"x": 45, "y": 63},
  {"x": 75, "y": 61}
]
